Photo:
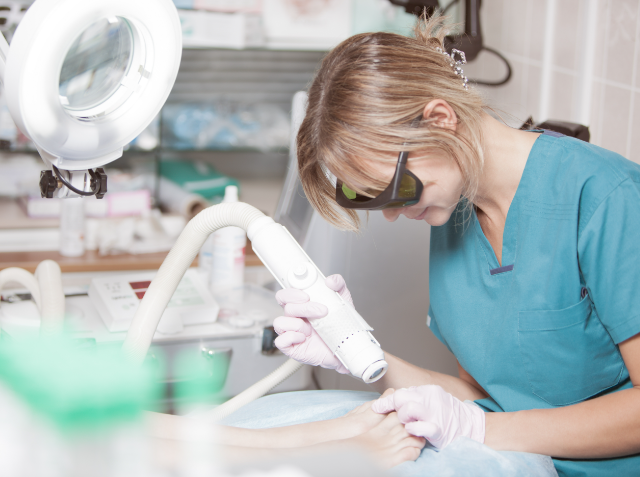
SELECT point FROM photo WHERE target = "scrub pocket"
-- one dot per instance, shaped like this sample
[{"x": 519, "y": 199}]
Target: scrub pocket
[{"x": 567, "y": 354}]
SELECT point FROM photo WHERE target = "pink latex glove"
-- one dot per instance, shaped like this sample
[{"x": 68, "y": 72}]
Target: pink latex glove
[
  {"x": 297, "y": 338},
  {"x": 432, "y": 413}
]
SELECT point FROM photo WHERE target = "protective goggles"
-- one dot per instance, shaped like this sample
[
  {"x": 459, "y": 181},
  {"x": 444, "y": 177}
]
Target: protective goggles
[{"x": 404, "y": 190}]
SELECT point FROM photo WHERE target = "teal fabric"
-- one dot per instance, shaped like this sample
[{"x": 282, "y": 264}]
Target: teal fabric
[{"x": 545, "y": 333}]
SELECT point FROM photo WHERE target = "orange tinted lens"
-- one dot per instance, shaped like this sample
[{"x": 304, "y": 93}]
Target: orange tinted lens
[{"x": 407, "y": 187}]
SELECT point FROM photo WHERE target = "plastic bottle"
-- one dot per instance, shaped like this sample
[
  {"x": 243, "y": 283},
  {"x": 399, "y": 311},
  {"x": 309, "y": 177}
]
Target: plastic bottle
[
  {"x": 72, "y": 227},
  {"x": 205, "y": 258},
  {"x": 227, "y": 253}
]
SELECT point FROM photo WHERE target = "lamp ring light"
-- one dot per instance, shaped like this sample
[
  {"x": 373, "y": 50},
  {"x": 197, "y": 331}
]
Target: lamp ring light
[{"x": 76, "y": 133}]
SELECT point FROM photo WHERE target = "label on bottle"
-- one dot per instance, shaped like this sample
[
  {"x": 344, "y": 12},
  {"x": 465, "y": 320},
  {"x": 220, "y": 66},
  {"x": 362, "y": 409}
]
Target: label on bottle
[
  {"x": 205, "y": 257},
  {"x": 227, "y": 259}
]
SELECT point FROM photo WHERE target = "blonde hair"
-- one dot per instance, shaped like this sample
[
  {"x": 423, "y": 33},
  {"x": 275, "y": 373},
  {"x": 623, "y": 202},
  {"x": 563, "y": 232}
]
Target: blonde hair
[{"x": 362, "y": 101}]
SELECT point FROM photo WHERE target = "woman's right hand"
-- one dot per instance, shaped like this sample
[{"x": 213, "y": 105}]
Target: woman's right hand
[{"x": 297, "y": 338}]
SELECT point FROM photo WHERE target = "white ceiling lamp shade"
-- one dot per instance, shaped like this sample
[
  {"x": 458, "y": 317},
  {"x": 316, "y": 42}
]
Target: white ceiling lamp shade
[{"x": 84, "y": 78}]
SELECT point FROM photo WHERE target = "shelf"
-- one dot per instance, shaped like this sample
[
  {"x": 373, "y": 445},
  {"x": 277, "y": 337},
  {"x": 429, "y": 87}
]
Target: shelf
[
  {"x": 91, "y": 261},
  {"x": 277, "y": 46}
]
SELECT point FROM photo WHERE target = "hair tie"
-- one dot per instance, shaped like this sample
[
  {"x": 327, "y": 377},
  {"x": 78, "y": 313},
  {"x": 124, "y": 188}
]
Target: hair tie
[{"x": 456, "y": 64}]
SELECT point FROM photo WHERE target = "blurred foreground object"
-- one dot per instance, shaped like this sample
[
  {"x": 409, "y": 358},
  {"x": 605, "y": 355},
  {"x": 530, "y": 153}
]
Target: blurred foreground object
[{"x": 71, "y": 411}]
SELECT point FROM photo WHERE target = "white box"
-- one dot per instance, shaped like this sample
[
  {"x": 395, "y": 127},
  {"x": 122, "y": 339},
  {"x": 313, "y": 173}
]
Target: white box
[
  {"x": 315, "y": 25},
  {"x": 30, "y": 240},
  {"x": 246, "y": 6},
  {"x": 201, "y": 29},
  {"x": 117, "y": 299},
  {"x": 115, "y": 204}
]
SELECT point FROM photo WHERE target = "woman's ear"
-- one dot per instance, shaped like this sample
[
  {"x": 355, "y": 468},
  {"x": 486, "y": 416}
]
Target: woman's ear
[{"x": 441, "y": 114}]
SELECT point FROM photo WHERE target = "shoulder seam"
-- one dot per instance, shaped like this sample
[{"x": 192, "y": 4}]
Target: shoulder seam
[
  {"x": 582, "y": 227},
  {"x": 586, "y": 145}
]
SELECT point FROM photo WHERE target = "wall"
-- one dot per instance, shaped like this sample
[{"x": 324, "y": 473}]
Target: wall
[{"x": 574, "y": 60}]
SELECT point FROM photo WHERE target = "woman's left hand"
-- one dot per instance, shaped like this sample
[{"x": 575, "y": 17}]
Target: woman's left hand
[{"x": 431, "y": 412}]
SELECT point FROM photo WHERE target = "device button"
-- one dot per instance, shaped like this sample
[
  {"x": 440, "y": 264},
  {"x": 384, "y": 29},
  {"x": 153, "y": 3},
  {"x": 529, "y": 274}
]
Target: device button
[
  {"x": 300, "y": 271},
  {"x": 302, "y": 275}
]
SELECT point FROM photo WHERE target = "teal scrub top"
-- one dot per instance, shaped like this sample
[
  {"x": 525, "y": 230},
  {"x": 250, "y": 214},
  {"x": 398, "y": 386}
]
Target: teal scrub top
[{"x": 541, "y": 329}]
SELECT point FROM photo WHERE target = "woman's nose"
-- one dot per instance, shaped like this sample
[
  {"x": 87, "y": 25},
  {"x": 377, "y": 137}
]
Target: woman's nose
[{"x": 392, "y": 214}]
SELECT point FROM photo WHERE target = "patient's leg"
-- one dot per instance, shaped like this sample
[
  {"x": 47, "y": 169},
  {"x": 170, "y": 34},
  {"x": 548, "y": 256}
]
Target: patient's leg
[
  {"x": 388, "y": 444},
  {"x": 381, "y": 435},
  {"x": 354, "y": 423}
]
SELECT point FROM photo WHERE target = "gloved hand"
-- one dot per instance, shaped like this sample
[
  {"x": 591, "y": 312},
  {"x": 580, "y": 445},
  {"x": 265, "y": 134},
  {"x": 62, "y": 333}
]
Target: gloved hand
[
  {"x": 297, "y": 338},
  {"x": 431, "y": 412}
]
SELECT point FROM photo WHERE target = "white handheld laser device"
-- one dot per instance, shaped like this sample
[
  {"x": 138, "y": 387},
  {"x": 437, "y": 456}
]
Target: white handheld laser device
[{"x": 344, "y": 331}]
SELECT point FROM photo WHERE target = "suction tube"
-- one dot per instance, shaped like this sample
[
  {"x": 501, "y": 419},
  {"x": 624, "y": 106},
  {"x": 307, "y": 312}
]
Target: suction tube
[
  {"x": 256, "y": 391},
  {"x": 182, "y": 254},
  {"x": 49, "y": 278},
  {"x": 345, "y": 332},
  {"x": 46, "y": 290},
  {"x": 24, "y": 278}
]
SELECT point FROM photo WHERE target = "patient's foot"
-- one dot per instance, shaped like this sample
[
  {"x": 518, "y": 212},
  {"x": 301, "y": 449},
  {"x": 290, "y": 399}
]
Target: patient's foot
[
  {"x": 367, "y": 405},
  {"x": 389, "y": 442},
  {"x": 359, "y": 420},
  {"x": 356, "y": 422}
]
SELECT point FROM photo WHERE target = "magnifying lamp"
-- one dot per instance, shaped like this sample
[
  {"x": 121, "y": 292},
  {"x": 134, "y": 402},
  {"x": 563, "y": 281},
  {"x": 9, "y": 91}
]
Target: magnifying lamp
[{"x": 83, "y": 78}]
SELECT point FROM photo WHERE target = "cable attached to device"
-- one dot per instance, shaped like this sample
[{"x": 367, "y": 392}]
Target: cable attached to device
[
  {"x": 49, "y": 183},
  {"x": 475, "y": 40},
  {"x": 499, "y": 82},
  {"x": 469, "y": 42},
  {"x": 71, "y": 187}
]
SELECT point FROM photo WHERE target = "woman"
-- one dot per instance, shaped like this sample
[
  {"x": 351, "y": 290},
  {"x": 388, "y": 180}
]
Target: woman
[{"x": 534, "y": 255}]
